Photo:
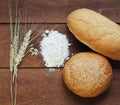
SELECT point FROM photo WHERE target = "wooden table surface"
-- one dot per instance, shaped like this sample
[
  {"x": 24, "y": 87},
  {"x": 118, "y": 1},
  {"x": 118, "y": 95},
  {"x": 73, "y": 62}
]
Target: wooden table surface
[{"x": 35, "y": 85}]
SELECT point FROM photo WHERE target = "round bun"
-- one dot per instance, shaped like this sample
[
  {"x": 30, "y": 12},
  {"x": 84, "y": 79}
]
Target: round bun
[
  {"x": 96, "y": 31},
  {"x": 87, "y": 74}
]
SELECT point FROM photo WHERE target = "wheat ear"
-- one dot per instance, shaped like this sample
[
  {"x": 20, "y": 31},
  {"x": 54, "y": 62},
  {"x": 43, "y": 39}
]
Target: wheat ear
[
  {"x": 13, "y": 52},
  {"x": 17, "y": 58},
  {"x": 17, "y": 50},
  {"x": 14, "y": 41},
  {"x": 21, "y": 53}
]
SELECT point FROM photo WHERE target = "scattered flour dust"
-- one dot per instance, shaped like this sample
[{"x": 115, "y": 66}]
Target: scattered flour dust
[{"x": 54, "y": 48}]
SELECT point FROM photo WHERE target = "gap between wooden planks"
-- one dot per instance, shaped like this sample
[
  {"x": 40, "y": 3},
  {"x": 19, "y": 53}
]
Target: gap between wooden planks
[
  {"x": 57, "y": 11},
  {"x": 37, "y": 61}
]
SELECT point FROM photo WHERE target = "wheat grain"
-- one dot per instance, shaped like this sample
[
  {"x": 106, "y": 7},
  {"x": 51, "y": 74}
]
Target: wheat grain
[
  {"x": 16, "y": 56},
  {"x": 11, "y": 58},
  {"x": 22, "y": 50},
  {"x": 14, "y": 41},
  {"x": 18, "y": 49},
  {"x": 13, "y": 51}
]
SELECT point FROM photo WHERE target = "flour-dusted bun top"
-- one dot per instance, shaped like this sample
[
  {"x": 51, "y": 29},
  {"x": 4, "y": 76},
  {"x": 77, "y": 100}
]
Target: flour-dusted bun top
[{"x": 87, "y": 74}]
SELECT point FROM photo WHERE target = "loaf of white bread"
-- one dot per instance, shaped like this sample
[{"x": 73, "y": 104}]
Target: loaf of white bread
[{"x": 96, "y": 31}]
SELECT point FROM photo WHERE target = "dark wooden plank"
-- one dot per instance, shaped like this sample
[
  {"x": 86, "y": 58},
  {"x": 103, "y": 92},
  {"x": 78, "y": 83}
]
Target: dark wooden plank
[
  {"x": 35, "y": 87},
  {"x": 31, "y": 61},
  {"x": 113, "y": 14},
  {"x": 4, "y": 87},
  {"x": 54, "y": 11},
  {"x": 37, "y": 61}
]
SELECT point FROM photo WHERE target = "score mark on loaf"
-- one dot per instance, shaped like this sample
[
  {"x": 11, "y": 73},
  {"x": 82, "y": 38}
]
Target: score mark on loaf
[{"x": 96, "y": 31}]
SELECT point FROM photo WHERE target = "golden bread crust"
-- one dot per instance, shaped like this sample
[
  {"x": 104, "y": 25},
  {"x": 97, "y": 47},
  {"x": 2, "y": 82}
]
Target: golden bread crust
[
  {"x": 87, "y": 74},
  {"x": 96, "y": 31}
]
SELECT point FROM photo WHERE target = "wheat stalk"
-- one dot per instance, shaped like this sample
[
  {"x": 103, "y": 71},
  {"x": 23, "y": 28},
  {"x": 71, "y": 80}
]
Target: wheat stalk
[
  {"x": 21, "y": 53},
  {"x": 19, "y": 50},
  {"x": 16, "y": 56},
  {"x": 13, "y": 53}
]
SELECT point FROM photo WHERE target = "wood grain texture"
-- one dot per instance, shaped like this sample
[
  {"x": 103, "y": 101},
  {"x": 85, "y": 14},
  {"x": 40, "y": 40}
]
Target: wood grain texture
[
  {"x": 112, "y": 13},
  {"x": 38, "y": 87},
  {"x": 54, "y": 11},
  {"x": 37, "y": 61}
]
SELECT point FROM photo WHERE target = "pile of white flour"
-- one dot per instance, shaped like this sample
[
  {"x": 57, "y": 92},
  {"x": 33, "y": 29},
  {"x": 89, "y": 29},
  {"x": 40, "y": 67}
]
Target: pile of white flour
[{"x": 54, "y": 48}]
